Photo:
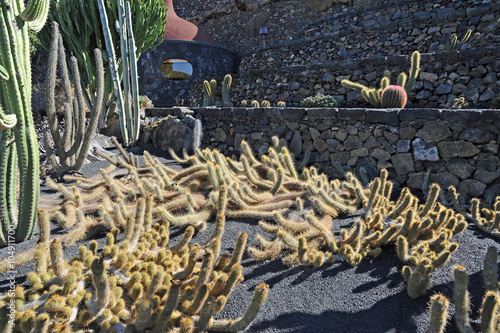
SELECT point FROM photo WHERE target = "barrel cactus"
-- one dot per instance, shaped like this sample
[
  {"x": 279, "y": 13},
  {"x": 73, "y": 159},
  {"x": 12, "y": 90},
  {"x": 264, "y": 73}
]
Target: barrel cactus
[
  {"x": 394, "y": 97},
  {"x": 281, "y": 104},
  {"x": 255, "y": 104},
  {"x": 266, "y": 104}
]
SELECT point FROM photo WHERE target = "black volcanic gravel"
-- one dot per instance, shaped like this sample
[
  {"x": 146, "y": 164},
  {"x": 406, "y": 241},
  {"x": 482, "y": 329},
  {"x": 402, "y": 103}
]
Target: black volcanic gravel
[{"x": 370, "y": 297}]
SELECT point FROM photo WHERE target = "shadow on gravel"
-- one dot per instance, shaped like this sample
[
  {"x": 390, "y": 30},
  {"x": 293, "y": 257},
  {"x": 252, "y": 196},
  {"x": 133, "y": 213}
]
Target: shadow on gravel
[{"x": 376, "y": 319}]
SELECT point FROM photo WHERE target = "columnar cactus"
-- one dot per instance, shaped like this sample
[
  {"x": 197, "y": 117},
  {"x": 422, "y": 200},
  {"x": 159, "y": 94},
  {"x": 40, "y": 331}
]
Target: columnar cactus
[
  {"x": 18, "y": 143},
  {"x": 226, "y": 86},
  {"x": 394, "y": 97},
  {"x": 82, "y": 34},
  {"x": 213, "y": 87},
  {"x": 207, "y": 94},
  {"x": 128, "y": 102},
  {"x": 72, "y": 148}
]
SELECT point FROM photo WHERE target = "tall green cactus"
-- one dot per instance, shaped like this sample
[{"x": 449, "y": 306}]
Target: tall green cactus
[
  {"x": 128, "y": 102},
  {"x": 19, "y": 163},
  {"x": 72, "y": 148},
  {"x": 80, "y": 27}
]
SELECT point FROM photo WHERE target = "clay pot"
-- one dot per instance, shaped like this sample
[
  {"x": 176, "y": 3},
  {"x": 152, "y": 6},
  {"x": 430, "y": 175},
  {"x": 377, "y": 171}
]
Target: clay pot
[{"x": 178, "y": 28}]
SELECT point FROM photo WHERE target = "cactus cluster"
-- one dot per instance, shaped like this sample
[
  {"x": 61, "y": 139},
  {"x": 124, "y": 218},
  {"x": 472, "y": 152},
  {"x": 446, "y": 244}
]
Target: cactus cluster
[
  {"x": 209, "y": 92},
  {"x": 421, "y": 232},
  {"x": 74, "y": 144},
  {"x": 374, "y": 95},
  {"x": 140, "y": 283},
  {"x": 489, "y": 316},
  {"x": 485, "y": 215},
  {"x": 319, "y": 101},
  {"x": 265, "y": 104}
]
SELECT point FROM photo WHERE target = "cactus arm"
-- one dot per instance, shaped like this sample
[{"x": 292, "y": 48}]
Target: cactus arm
[
  {"x": 7, "y": 121},
  {"x": 133, "y": 76},
  {"x": 94, "y": 118},
  {"x": 35, "y": 14},
  {"x": 242, "y": 323},
  {"x": 121, "y": 27},
  {"x": 414, "y": 71},
  {"x": 113, "y": 68}
]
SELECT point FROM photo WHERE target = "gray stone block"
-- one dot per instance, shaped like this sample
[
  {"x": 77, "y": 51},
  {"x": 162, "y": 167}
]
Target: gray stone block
[{"x": 383, "y": 116}]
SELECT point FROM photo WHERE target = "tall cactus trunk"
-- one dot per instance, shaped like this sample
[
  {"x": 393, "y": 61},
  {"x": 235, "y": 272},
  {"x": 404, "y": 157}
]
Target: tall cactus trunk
[
  {"x": 128, "y": 102},
  {"x": 19, "y": 160}
]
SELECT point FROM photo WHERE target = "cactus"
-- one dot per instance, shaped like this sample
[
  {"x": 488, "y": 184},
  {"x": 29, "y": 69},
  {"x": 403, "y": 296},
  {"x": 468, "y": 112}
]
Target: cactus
[
  {"x": 128, "y": 101},
  {"x": 394, "y": 97},
  {"x": 226, "y": 86},
  {"x": 266, "y": 104},
  {"x": 244, "y": 103},
  {"x": 18, "y": 144},
  {"x": 207, "y": 93},
  {"x": 281, "y": 104},
  {"x": 439, "y": 313},
  {"x": 255, "y": 104},
  {"x": 82, "y": 34},
  {"x": 373, "y": 95},
  {"x": 121, "y": 306},
  {"x": 456, "y": 103},
  {"x": 454, "y": 44},
  {"x": 72, "y": 148},
  {"x": 488, "y": 319},
  {"x": 213, "y": 87}
]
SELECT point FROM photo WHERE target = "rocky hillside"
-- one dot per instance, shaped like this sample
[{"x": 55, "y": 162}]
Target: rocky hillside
[{"x": 236, "y": 23}]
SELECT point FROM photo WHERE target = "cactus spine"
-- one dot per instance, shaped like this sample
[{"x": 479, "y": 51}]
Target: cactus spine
[
  {"x": 226, "y": 86},
  {"x": 72, "y": 148},
  {"x": 18, "y": 143},
  {"x": 128, "y": 102}
]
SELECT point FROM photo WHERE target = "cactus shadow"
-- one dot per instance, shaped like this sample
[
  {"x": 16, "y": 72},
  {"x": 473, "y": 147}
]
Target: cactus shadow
[{"x": 374, "y": 319}]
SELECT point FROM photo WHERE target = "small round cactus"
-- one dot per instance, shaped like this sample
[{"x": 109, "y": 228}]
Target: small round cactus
[
  {"x": 255, "y": 104},
  {"x": 244, "y": 103},
  {"x": 394, "y": 97},
  {"x": 281, "y": 104},
  {"x": 266, "y": 104}
]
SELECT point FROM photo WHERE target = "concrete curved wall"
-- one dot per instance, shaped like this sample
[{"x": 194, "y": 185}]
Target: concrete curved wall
[{"x": 208, "y": 61}]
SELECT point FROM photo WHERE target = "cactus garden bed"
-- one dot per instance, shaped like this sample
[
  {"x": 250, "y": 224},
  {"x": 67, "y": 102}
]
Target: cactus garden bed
[{"x": 326, "y": 293}]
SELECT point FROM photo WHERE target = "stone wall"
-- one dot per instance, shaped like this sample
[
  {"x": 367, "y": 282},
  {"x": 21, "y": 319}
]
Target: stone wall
[
  {"x": 395, "y": 28},
  {"x": 459, "y": 147},
  {"x": 474, "y": 74},
  {"x": 206, "y": 59}
]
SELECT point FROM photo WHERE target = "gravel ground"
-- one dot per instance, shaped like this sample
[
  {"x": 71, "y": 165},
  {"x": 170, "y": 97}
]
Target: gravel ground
[{"x": 370, "y": 297}]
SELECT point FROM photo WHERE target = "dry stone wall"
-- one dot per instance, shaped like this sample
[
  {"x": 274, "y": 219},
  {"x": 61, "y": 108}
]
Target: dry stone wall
[
  {"x": 458, "y": 147},
  {"x": 474, "y": 74}
]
